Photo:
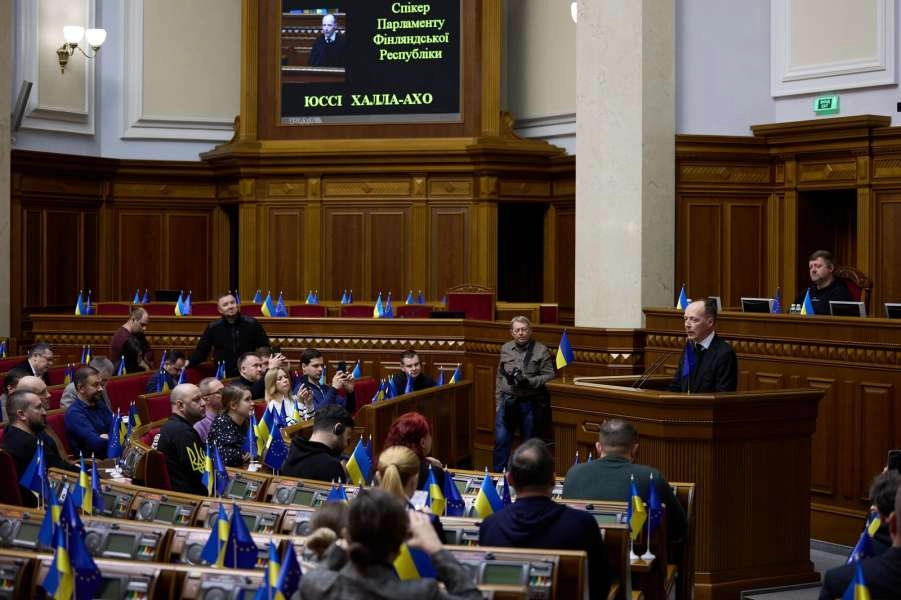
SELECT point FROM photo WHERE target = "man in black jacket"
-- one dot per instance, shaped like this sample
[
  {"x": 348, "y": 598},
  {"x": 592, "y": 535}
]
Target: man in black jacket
[
  {"x": 39, "y": 361},
  {"x": 708, "y": 363},
  {"x": 180, "y": 442},
  {"x": 28, "y": 420},
  {"x": 320, "y": 457},
  {"x": 229, "y": 337},
  {"x": 411, "y": 368},
  {"x": 536, "y": 521}
]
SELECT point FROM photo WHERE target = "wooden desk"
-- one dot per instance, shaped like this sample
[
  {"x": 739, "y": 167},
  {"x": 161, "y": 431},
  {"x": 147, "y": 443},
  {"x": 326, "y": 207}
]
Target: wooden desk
[
  {"x": 749, "y": 455},
  {"x": 854, "y": 362}
]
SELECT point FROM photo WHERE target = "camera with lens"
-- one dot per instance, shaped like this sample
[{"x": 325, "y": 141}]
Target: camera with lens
[{"x": 515, "y": 376}]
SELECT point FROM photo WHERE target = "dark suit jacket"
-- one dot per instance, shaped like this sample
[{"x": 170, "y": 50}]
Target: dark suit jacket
[
  {"x": 26, "y": 366},
  {"x": 716, "y": 370},
  {"x": 881, "y": 574},
  {"x": 328, "y": 55}
]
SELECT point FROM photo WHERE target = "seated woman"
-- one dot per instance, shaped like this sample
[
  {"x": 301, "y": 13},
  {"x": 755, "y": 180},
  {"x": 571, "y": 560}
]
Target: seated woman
[
  {"x": 278, "y": 395},
  {"x": 229, "y": 429},
  {"x": 377, "y": 524},
  {"x": 414, "y": 431},
  {"x": 397, "y": 472}
]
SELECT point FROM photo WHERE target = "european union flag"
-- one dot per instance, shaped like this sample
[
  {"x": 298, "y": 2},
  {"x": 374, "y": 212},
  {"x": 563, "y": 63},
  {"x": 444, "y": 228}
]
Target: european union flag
[
  {"x": 344, "y": 297},
  {"x": 357, "y": 372},
  {"x": 689, "y": 361},
  {"x": 421, "y": 298},
  {"x": 280, "y": 309},
  {"x": 454, "y": 506},
  {"x": 290, "y": 575},
  {"x": 564, "y": 352},
  {"x": 96, "y": 490},
  {"x": 412, "y": 563},
  {"x": 359, "y": 466},
  {"x": 440, "y": 380},
  {"x": 864, "y": 546},
  {"x": 182, "y": 376},
  {"x": 682, "y": 301},
  {"x": 311, "y": 299},
  {"x": 257, "y": 298},
  {"x": 220, "y": 370},
  {"x": 408, "y": 388},
  {"x": 350, "y": 296},
  {"x": 487, "y": 501},
  {"x": 186, "y": 305},
  {"x": 337, "y": 494},
  {"x": 777, "y": 301},
  {"x": 146, "y": 298},
  {"x": 435, "y": 499},
  {"x": 221, "y": 475},
  {"x": 121, "y": 370},
  {"x": 137, "y": 298},
  {"x": 250, "y": 440},
  {"x": 389, "y": 312},
  {"x": 88, "y": 308},
  {"x": 35, "y": 475},
  {"x": 278, "y": 450},
  {"x": 245, "y": 548},
  {"x": 505, "y": 492},
  {"x": 114, "y": 444},
  {"x": 655, "y": 508},
  {"x": 237, "y": 297},
  {"x": 391, "y": 392}
]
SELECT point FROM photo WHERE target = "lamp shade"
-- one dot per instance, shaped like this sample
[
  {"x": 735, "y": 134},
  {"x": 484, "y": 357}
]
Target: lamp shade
[
  {"x": 73, "y": 33},
  {"x": 95, "y": 37}
]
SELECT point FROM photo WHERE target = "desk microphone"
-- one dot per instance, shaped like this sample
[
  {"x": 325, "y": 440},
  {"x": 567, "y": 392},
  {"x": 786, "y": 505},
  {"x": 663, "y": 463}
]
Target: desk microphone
[{"x": 651, "y": 370}]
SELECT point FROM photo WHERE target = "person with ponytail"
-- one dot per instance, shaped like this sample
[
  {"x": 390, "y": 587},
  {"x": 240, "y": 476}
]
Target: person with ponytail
[
  {"x": 377, "y": 524},
  {"x": 397, "y": 472}
]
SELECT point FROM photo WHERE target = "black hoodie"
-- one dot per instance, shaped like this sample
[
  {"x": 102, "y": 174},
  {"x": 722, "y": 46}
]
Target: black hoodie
[
  {"x": 539, "y": 522},
  {"x": 313, "y": 460}
]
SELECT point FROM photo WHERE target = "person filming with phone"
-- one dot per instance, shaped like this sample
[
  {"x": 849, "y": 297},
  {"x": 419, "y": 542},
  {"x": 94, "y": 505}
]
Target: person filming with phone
[{"x": 319, "y": 395}]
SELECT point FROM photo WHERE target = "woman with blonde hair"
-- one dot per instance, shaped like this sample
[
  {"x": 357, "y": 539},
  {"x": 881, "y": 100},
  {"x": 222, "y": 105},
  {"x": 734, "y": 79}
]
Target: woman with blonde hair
[
  {"x": 397, "y": 472},
  {"x": 278, "y": 395}
]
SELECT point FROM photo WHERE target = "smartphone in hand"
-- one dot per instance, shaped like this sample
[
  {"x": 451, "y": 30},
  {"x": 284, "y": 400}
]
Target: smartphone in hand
[{"x": 342, "y": 366}]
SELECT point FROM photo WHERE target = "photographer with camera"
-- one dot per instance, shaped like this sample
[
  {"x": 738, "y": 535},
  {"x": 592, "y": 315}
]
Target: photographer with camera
[{"x": 525, "y": 366}]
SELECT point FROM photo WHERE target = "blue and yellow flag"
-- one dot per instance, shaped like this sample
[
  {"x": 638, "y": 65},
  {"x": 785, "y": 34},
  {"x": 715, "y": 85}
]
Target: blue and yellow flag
[
  {"x": 137, "y": 298},
  {"x": 217, "y": 544},
  {"x": 858, "y": 589},
  {"x": 807, "y": 305},
  {"x": 264, "y": 429},
  {"x": 457, "y": 376},
  {"x": 311, "y": 299},
  {"x": 487, "y": 501},
  {"x": 79, "y": 304},
  {"x": 564, "y": 352},
  {"x": 121, "y": 370},
  {"x": 60, "y": 580},
  {"x": 682, "y": 300},
  {"x": 413, "y": 563},
  {"x": 180, "y": 305},
  {"x": 337, "y": 494},
  {"x": 268, "y": 590},
  {"x": 378, "y": 311},
  {"x": 268, "y": 308},
  {"x": 636, "y": 513},
  {"x": 344, "y": 297},
  {"x": 359, "y": 467},
  {"x": 51, "y": 520},
  {"x": 409, "y": 299},
  {"x": 435, "y": 499},
  {"x": 82, "y": 495},
  {"x": 88, "y": 357},
  {"x": 357, "y": 372}
]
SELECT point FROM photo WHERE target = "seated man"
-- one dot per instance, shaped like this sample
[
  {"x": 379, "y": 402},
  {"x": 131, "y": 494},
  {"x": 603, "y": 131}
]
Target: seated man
[
  {"x": 28, "y": 420},
  {"x": 411, "y": 368},
  {"x": 10, "y": 381},
  {"x": 312, "y": 364},
  {"x": 39, "y": 361},
  {"x": 250, "y": 368},
  {"x": 882, "y": 498},
  {"x": 708, "y": 363},
  {"x": 105, "y": 367},
  {"x": 168, "y": 377},
  {"x": 181, "y": 444},
  {"x": 211, "y": 388},
  {"x": 320, "y": 457},
  {"x": 882, "y": 573},
  {"x": 536, "y": 521},
  {"x": 609, "y": 478},
  {"x": 88, "y": 419},
  {"x": 130, "y": 343},
  {"x": 825, "y": 286}
]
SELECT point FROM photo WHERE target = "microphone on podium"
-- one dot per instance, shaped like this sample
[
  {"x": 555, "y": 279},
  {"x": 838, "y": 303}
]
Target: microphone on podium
[{"x": 651, "y": 370}]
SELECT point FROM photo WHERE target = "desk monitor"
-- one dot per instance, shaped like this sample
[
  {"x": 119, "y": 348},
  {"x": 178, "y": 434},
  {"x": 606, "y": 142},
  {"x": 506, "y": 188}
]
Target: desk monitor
[
  {"x": 448, "y": 314},
  {"x": 840, "y": 308},
  {"x": 757, "y": 305},
  {"x": 718, "y": 301},
  {"x": 893, "y": 310}
]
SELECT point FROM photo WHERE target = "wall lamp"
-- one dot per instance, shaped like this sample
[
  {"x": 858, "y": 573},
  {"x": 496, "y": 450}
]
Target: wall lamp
[
  {"x": 574, "y": 10},
  {"x": 73, "y": 35}
]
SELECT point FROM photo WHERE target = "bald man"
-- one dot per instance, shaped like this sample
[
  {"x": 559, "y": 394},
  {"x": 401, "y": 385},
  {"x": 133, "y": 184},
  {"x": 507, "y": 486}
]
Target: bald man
[
  {"x": 328, "y": 49},
  {"x": 181, "y": 443},
  {"x": 708, "y": 363}
]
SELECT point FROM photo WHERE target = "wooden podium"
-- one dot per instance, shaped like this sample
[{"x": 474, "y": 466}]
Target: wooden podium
[{"x": 748, "y": 453}]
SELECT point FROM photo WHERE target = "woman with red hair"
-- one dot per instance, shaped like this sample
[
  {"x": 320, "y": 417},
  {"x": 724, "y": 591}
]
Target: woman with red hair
[{"x": 414, "y": 431}]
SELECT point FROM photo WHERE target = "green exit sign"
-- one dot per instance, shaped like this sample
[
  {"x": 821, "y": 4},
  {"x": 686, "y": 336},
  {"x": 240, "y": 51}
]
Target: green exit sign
[{"x": 826, "y": 105}]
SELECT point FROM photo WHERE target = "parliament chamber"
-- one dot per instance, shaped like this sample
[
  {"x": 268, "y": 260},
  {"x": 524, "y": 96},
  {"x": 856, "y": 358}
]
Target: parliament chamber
[{"x": 439, "y": 205}]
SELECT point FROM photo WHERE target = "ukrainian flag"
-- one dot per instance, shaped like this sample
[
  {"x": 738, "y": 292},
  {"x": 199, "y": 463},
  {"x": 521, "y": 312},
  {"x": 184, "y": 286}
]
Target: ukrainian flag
[
  {"x": 807, "y": 305},
  {"x": 216, "y": 545},
  {"x": 83, "y": 496},
  {"x": 858, "y": 589},
  {"x": 269, "y": 588},
  {"x": 60, "y": 579},
  {"x": 487, "y": 501},
  {"x": 180, "y": 306},
  {"x": 413, "y": 564},
  {"x": 359, "y": 467},
  {"x": 264, "y": 429},
  {"x": 377, "y": 311},
  {"x": 636, "y": 514},
  {"x": 564, "y": 352},
  {"x": 268, "y": 308},
  {"x": 435, "y": 499},
  {"x": 208, "y": 478},
  {"x": 457, "y": 376},
  {"x": 682, "y": 301},
  {"x": 51, "y": 520},
  {"x": 79, "y": 304}
]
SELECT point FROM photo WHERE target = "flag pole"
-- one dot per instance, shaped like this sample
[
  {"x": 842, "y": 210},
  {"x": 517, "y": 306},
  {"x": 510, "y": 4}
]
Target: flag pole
[{"x": 648, "y": 555}]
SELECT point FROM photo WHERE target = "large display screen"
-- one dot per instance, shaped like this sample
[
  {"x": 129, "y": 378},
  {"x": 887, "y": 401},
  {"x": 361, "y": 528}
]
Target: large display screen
[{"x": 370, "y": 61}]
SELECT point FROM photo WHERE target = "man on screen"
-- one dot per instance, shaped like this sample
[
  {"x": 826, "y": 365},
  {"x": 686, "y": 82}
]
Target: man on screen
[{"x": 328, "y": 49}]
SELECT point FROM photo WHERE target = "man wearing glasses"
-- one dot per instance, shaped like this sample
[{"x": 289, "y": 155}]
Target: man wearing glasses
[
  {"x": 39, "y": 361},
  {"x": 129, "y": 342},
  {"x": 211, "y": 388}
]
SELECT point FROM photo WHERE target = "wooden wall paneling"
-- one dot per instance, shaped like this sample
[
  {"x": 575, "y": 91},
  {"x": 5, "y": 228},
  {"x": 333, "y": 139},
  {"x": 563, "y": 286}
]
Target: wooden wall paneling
[
  {"x": 565, "y": 249},
  {"x": 346, "y": 245},
  {"x": 188, "y": 253},
  {"x": 877, "y": 432},
  {"x": 284, "y": 259},
  {"x": 90, "y": 242},
  {"x": 389, "y": 252},
  {"x": 887, "y": 275},
  {"x": 63, "y": 258},
  {"x": 450, "y": 248},
  {"x": 483, "y": 378},
  {"x": 420, "y": 250},
  {"x": 699, "y": 246},
  {"x": 139, "y": 234},
  {"x": 824, "y": 445},
  {"x": 745, "y": 270},
  {"x": 221, "y": 247},
  {"x": 33, "y": 253}
]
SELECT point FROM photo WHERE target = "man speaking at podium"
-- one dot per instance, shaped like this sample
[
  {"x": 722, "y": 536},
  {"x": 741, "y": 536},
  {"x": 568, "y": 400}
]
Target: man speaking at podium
[{"x": 708, "y": 363}]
